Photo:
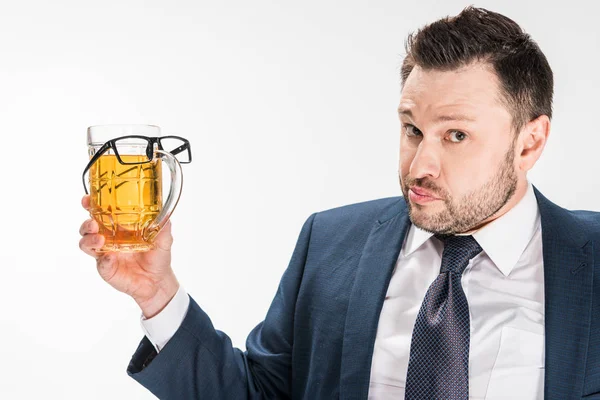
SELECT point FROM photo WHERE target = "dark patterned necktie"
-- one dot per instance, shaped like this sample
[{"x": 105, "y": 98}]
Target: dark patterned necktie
[{"x": 438, "y": 367}]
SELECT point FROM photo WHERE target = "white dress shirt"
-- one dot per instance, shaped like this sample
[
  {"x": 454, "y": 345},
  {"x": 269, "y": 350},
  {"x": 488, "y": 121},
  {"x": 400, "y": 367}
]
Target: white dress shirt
[
  {"x": 504, "y": 286},
  {"x": 160, "y": 328}
]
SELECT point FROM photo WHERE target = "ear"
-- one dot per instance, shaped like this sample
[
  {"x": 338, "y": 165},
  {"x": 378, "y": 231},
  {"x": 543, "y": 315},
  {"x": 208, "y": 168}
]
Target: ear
[{"x": 532, "y": 140}]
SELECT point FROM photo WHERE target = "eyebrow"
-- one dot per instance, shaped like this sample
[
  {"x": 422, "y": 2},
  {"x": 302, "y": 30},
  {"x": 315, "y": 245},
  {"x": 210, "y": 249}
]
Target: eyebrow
[{"x": 439, "y": 118}]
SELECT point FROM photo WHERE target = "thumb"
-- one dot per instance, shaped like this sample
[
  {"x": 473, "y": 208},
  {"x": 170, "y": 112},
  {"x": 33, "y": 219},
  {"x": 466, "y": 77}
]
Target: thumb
[{"x": 164, "y": 239}]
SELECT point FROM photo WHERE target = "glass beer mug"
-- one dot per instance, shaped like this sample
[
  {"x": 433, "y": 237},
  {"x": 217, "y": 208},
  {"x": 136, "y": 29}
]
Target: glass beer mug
[{"x": 125, "y": 183}]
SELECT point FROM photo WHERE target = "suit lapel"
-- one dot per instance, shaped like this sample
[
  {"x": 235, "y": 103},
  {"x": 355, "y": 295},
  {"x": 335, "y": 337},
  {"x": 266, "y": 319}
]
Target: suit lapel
[
  {"x": 366, "y": 300},
  {"x": 568, "y": 281}
]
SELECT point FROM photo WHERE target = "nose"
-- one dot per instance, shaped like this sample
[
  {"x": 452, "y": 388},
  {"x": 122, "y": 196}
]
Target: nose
[{"x": 426, "y": 162}]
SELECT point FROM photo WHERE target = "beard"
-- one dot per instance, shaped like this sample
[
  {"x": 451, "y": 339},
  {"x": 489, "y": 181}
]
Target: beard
[{"x": 467, "y": 212}]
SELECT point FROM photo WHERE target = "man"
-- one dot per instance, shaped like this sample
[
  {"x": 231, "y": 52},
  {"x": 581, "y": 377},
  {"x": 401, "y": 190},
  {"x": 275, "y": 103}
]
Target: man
[{"x": 471, "y": 285}]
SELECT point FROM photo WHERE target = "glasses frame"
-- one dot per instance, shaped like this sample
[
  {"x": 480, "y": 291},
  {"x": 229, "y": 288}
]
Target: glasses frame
[{"x": 112, "y": 144}]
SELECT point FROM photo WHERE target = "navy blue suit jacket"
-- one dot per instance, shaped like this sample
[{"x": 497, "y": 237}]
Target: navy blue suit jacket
[{"x": 317, "y": 339}]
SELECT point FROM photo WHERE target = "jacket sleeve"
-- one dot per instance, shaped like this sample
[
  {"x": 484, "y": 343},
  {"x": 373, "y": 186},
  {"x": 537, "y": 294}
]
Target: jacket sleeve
[{"x": 199, "y": 362}]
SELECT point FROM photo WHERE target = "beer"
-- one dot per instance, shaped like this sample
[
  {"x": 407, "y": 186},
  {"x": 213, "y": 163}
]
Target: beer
[{"x": 125, "y": 200}]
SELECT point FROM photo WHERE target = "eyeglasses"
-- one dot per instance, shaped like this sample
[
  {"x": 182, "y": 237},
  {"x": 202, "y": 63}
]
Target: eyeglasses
[{"x": 179, "y": 147}]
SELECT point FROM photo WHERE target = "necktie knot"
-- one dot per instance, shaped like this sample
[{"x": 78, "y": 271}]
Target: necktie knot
[{"x": 458, "y": 250}]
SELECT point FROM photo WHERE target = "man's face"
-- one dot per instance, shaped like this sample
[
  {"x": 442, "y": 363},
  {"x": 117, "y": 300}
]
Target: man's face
[{"x": 456, "y": 143}]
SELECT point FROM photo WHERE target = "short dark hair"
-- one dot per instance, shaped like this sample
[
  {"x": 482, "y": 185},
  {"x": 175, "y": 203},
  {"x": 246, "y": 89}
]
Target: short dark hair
[{"x": 479, "y": 35}]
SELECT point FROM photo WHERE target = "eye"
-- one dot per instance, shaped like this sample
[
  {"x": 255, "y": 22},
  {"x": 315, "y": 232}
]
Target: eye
[
  {"x": 459, "y": 135},
  {"x": 411, "y": 130}
]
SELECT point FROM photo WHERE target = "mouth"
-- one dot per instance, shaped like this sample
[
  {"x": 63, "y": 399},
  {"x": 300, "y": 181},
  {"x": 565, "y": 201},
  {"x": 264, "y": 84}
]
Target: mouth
[
  {"x": 423, "y": 192},
  {"x": 420, "y": 197}
]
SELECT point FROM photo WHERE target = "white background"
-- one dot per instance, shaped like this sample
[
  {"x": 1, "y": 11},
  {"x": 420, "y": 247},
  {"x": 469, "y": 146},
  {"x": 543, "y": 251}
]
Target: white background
[{"x": 290, "y": 108}]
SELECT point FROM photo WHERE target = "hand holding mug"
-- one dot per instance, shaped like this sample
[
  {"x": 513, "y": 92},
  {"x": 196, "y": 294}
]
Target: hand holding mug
[
  {"x": 129, "y": 233},
  {"x": 145, "y": 276}
]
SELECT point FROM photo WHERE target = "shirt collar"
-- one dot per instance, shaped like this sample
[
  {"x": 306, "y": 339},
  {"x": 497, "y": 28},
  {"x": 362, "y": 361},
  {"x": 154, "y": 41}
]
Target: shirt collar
[{"x": 504, "y": 239}]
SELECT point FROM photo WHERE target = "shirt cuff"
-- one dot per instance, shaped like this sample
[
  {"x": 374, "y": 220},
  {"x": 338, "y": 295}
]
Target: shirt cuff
[{"x": 161, "y": 328}]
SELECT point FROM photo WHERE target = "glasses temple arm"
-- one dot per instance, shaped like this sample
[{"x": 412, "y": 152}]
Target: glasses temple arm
[{"x": 96, "y": 156}]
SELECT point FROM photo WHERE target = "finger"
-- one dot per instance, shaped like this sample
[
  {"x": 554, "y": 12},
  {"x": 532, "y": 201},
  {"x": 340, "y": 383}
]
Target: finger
[
  {"x": 85, "y": 201},
  {"x": 89, "y": 226},
  {"x": 164, "y": 239},
  {"x": 89, "y": 243}
]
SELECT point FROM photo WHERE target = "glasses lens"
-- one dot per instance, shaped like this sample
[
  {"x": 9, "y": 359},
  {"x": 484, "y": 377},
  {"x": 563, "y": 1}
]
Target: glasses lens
[
  {"x": 133, "y": 150},
  {"x": 179, "y": 148}
]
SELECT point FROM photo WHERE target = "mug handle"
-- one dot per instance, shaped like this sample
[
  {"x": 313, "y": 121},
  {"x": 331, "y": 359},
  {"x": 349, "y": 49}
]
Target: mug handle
[{"x": 154, "y": 227}]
